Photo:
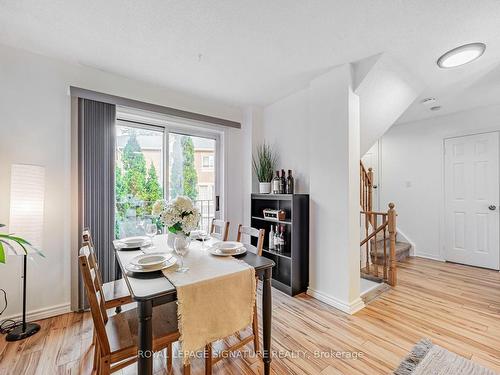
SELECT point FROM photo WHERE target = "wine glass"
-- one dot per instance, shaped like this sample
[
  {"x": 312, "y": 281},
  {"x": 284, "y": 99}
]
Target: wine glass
[
  {"x": 181, "y": 246},
  {"x": 151, "y": 230},
  {"x": 203, "y": 234}
]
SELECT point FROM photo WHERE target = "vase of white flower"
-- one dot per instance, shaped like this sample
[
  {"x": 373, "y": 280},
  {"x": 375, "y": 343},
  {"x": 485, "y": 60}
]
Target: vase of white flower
[{"x": 179, "y": 215}]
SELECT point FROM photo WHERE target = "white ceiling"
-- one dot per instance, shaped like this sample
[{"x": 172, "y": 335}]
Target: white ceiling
[{"x": 255, "y": 52}]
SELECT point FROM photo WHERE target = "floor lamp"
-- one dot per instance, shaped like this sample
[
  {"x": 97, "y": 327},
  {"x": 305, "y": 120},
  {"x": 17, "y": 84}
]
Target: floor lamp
[{"x": 27, "y": 191}]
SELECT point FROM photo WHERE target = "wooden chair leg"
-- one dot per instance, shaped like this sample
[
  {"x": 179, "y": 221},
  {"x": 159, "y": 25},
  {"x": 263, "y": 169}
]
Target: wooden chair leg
[
  {"x": 169, "y": 358},
  {"x": 255, "y": 329},
  {"x": 208, "y": 359},
  {"x": 95, "y": 364}
]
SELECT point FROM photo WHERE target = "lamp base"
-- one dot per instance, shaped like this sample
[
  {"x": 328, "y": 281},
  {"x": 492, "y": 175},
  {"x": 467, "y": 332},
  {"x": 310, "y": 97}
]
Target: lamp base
[{"x": 18, "y": 333}]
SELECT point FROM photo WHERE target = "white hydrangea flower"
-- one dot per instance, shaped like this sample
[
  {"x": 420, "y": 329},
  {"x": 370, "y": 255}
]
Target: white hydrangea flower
[{"x": 178, "y": 213}]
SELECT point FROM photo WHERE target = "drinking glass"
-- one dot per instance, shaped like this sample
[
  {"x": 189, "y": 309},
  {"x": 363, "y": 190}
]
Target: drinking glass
[
  {"x": 151, "y": 230},
  {"x": 204, "y": 236},
  {"x": 181, "y": 246}
]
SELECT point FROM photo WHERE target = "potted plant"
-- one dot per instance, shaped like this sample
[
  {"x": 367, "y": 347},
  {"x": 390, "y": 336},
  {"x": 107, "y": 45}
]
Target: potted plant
[
  {"x": 264, "y": 163},
  {"x": 179, "y": 215},
  {"x": 9, "y": 241}
]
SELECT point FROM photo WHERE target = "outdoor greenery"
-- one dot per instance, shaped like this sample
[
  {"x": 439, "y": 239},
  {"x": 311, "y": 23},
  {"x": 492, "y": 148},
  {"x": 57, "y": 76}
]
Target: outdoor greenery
[
  {"x": 183, "y": 177},
  {"x": 264, "y": 162},
  {"x": 137, "y": 185}
]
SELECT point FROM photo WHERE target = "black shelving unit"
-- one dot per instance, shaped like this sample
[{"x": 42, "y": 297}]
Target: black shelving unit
[{"x": 291, "y": 273}]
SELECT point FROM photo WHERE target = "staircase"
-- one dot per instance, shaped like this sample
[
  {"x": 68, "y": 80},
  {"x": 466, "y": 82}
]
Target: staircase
[
  {"x": 379, "y": 245},
  {"x": 402, "y": 250}
]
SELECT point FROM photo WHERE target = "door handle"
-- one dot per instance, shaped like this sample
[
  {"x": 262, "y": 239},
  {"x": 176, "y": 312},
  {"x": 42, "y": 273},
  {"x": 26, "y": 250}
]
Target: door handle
[{"x": 492, "y": 207}]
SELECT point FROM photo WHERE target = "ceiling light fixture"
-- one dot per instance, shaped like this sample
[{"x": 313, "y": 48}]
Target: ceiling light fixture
[
  {"x": 428, "y": 101},
  {"x": 461, "y": 55}
]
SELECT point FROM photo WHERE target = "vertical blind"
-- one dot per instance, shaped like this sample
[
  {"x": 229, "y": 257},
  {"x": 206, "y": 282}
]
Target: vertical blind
[{"x": 96, "y": 128}]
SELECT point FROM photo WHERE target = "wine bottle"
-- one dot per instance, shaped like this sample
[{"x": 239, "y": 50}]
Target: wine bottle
[
  {"x": 282, "y": 182},
  {"x": 277, "y": 240},
  {"x": 289, "y": 182},
  {"x": 271, "y": 239},
  {"x": 282, "y": 238},
  {"x": 276, "y": 183}
]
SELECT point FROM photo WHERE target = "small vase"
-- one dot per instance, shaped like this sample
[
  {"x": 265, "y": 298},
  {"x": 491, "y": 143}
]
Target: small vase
[{"x": 264, "y": 187}]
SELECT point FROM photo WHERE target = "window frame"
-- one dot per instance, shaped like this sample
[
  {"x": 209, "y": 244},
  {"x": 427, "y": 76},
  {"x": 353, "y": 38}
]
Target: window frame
[{"x": 167, "y": 125}]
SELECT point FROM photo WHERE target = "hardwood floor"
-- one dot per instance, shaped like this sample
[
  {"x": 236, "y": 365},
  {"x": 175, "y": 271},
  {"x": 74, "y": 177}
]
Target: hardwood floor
[{"x": 457, "y": 307}]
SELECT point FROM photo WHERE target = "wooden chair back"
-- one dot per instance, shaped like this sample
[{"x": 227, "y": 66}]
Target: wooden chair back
[
  {"x": 88, "y": 243},
  {"x": 219, "y": 229},
  {"x": 87, "y": 237},
  {"x": 252, "y": 232},
  {"x": 95, "y": 297}
]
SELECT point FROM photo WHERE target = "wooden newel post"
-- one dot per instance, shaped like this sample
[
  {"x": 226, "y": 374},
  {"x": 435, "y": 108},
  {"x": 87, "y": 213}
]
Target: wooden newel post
[
  {"x": 391, "y": 217},
  {"x": 370, "y": 189}
]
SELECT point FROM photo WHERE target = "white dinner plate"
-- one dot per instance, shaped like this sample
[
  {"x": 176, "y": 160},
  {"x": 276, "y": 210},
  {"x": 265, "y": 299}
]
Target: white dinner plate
[
  {"x": 169, "y": 263},
  {"x": 150, "y": 259},
  {"x": 133, "y": 242},
  {"x": 214, "y": 250}
]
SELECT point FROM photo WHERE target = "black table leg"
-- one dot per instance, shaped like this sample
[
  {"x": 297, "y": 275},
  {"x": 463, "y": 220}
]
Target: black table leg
[
  {"x": 145, "y": 354},
  {"x": 266, "y": 319}
]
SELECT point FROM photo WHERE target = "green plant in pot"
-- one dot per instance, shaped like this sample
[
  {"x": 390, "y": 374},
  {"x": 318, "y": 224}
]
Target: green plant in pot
[
  {"x": 8, "y": 241},
  {"x": 264, "y": 160}
]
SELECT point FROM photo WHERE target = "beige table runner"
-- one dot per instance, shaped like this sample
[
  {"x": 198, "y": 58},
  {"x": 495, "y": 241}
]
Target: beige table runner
[{"x": 215, "y": 298}]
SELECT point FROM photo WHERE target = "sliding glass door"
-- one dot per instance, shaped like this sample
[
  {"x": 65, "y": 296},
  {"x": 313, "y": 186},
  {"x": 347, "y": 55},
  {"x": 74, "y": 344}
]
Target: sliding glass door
[{"x": 155, "y": 162}]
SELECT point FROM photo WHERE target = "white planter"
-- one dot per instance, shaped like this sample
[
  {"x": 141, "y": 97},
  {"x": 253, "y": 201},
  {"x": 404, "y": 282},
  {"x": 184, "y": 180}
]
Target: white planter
[{"x": 264, "y": 187}]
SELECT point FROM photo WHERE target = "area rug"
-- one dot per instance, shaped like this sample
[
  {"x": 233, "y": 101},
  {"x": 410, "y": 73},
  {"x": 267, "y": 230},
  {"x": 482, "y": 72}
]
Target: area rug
[{"x": 429, "y": 359}]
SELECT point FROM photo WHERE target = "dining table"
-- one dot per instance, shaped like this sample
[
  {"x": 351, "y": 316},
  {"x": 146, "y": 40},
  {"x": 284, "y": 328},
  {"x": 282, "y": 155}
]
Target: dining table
[{"x": 153, "y": 289}]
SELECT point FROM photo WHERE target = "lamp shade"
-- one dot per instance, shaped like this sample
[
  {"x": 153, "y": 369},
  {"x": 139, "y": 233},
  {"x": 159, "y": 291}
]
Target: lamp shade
[{"x": 27, "y": 193}]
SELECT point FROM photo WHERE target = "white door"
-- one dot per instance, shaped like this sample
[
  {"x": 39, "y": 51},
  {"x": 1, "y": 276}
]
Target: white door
[
  {"x": 472, "y": 199},
  {"x": 371, "y": 160}
]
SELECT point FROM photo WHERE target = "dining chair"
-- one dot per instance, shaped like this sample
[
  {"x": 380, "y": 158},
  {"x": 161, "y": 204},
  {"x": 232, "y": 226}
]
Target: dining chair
[
  {"x": 219, "y": 229},
  {"x": 116, "y": 345},
  {"x": 251, "y": 232},
  {"x": 209, "y": 359},
  {"x": 116, "y": 293}
]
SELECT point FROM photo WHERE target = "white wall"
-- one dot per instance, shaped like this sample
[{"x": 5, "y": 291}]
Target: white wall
[
  {"x": 316, "y": 132},
  {"x": 35, "y": 129},
  {"x": 333, "y": 129},
  {"x": 285, "y": 128},
  {"x": 386, "y": 89},
  {"x": 412, "y": 167}
]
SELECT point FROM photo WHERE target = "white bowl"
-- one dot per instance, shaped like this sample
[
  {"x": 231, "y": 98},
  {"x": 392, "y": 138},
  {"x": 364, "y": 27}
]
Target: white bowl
[
  {"x": 229, "y": 246},
  {"x": 133, "y": 241},
  {"x": 150, "y": 260}
]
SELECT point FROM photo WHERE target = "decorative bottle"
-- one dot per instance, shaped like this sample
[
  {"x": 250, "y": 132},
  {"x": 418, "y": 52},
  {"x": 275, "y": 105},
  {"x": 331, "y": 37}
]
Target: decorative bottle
[
  {"x": 282, "y": 182},
  {"x": 289, "y": 182},
  {"x": 276, "y": 183},
  {"x": 282, "y": 238},
  {"x": 271, "y": 239}
]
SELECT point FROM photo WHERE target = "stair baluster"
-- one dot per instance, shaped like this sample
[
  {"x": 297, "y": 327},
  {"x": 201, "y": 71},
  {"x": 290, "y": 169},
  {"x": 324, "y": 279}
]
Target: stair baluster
[{"x": 374, "y": 231}]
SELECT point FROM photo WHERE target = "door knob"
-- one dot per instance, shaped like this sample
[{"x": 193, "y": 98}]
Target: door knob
[{"x": 492, "y": 207}]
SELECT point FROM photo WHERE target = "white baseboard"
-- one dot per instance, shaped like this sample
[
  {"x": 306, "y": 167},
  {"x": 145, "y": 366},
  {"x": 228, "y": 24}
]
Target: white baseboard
[
  {"x": 349, "y": 308},
  {"x": 43, "y": 313},
  {"x": 429, "y": 256}
]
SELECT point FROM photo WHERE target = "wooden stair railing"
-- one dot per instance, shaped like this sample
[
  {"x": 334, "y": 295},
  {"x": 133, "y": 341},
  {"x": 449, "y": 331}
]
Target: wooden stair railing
[
  {"x": 365, "y": 188},
  {"x": 373, "y": 233}
]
